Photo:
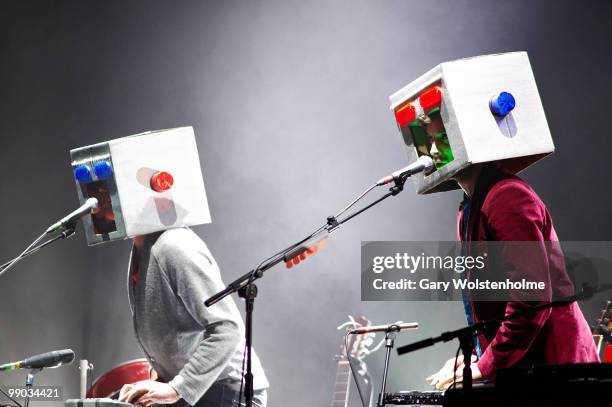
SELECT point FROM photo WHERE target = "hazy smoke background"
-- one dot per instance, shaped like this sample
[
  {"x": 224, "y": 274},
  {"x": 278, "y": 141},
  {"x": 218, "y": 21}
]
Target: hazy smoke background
[{"x": 289, "y": 104}]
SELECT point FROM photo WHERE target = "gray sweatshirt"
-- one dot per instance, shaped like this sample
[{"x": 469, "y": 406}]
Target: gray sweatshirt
[{"x": 189, "y": 345}]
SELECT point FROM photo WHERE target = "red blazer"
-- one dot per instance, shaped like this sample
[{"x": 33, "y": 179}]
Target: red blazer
[{"x": 505, "y": 208}]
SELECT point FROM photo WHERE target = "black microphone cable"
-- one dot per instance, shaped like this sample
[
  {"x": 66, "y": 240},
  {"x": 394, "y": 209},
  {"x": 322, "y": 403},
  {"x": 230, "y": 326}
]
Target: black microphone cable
[{"x": 23, "y": 254}]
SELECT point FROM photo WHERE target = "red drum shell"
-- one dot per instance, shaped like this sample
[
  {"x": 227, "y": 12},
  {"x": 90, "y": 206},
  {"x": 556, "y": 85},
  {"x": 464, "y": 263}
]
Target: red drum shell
[
  {"x": 111, "y": 382},
  {"x": 608, "y": 354}
]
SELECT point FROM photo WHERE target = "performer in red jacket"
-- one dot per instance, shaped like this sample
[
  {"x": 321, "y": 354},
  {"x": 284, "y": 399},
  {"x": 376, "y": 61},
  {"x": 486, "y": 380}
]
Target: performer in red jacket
[
  {"x": 481, "y": 121},
  {"x": 499, "y": 206}
]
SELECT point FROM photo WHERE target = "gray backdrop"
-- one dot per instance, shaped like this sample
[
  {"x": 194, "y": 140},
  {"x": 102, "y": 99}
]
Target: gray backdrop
[{"x": 289, "y": 104}]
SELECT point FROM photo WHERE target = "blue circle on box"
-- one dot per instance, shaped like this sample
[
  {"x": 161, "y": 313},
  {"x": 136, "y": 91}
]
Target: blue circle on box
[
  {"x": 103, "y": 170},
  {"x": 82, "y": 173},
  {"x": 502, "y": 104}
]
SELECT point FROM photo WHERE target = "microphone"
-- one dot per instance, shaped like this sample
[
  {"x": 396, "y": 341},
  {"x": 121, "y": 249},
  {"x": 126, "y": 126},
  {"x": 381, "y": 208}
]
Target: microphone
[
  {"x": 85, "y": 209},
  {"x": 399, "y": 326},
  {"x": 423, "y": 163},
  {"x": 49, "y": 359}
]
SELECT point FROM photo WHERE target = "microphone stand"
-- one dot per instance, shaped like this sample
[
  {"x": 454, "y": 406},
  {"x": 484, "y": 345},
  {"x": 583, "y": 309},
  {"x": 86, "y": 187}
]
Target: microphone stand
[
  {"x": 66, "y": 233},
  {"x": 389, "y": 342},
  {"x": 28, "y": 385},
  {"x": 245, "y": 287},
  {"x": 465, "y": 334}
]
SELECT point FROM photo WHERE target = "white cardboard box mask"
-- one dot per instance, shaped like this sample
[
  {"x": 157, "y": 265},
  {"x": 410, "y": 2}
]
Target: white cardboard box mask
[
  {"x": 144, "y": 183},
  {"x": 475, "y": 134}
]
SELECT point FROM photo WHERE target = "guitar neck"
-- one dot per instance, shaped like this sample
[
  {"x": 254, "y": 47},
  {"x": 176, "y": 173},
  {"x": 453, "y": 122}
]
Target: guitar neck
[{"x": 342, "y": 384}]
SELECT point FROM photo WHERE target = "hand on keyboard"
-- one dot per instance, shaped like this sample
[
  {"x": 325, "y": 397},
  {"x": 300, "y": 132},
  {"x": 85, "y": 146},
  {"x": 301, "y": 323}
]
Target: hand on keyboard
[
  {"x": 443, "y": 379},
  {"x": 148, "y": 392}
]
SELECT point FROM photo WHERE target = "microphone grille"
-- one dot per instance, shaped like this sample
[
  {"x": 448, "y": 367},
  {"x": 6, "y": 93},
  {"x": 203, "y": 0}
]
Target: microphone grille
[
  {"x": 92, "y": 202},
  {"x": 427, "y": 162}
]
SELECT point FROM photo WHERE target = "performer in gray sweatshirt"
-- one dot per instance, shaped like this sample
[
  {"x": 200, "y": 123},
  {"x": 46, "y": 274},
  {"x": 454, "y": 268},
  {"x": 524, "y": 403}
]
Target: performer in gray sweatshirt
[
  {"x": 197, "y": 350},
  {"x": 149, "y": 187}
]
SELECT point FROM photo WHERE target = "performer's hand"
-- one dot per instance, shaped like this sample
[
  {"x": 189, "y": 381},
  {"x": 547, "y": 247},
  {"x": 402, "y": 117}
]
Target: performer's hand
[
  {"x": 148, "y": 392},
  {"x": 443, "y": 379}
]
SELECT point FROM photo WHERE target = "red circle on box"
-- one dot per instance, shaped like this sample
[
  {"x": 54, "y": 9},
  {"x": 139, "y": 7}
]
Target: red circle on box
[{"x": 162, "y": 181}]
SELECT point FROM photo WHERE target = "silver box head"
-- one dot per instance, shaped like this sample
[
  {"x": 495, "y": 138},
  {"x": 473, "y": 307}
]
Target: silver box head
[
  {"x": 144, "y": 183},
  {"x": 470, "y": 111}
]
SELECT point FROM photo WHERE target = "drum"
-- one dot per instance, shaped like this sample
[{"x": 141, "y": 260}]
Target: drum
[{"x": 111, "y": 382}]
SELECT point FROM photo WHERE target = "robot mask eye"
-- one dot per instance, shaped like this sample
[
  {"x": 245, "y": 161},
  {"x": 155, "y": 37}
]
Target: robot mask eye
[
  {"x": 103, "y": 170},
  {"x": 405, "y": 115},
  {"x": 431, "y": 98},
  {"x": 82, "y": 174}
]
